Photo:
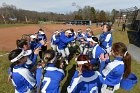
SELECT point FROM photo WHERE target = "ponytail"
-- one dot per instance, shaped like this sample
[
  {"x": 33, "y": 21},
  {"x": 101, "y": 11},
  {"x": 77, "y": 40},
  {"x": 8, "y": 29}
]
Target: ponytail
[
  {"x": 12, "y": 65},
  {"x": 10, "y": 71},
  {"x": 120, "y": 49},
  {"x": 87, "y": 66},
  {"x": 127, "y": 64}
]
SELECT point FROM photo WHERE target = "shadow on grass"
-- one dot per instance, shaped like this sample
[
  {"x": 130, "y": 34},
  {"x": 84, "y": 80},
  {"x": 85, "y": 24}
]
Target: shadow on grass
[
  {"x": 69, "y": 69},
  {"x": 73, "y": 51},
  {"x": 134, "y": 37},
  {"x": 69, "y": 78}
]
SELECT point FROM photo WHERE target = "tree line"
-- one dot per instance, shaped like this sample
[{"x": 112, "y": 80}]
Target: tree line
[{"x": 11, "y": 14}]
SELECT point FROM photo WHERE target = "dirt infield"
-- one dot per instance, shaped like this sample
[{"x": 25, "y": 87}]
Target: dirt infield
[{"x": 8, "y": 36}]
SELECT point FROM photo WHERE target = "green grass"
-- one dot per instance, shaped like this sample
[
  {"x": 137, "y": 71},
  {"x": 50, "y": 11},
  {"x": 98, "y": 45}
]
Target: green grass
[
  {"x": 118, "y": 36},
  {"x": 13, "y": 25},
  {"x": 5, "y": 86}
]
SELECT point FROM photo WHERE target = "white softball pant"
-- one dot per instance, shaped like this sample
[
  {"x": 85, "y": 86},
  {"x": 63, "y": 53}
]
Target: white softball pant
[
  {"x": 108, "y": 50},
  {"x": 54, "y": 47},
  {"x": 104, "y": 88},
  {"x": 65, "y": 52}
]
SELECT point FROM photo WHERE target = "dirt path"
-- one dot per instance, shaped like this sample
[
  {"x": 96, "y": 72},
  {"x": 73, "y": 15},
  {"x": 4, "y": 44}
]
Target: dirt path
[{"x": 8, "y": 36}]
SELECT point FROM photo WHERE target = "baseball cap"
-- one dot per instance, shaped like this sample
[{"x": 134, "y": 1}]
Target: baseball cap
[
  {"x": 68, "y": 31},
  {"x": 41, "y": 32},
  {"x": 91, "y": 40},
  {"x": 22, "y": 54},
  {"x": 56, "y": 32},
  {"x": 88, "y": 29},
  {"x": 32, "y": 36},
  {"x": 79, "y": 30}
]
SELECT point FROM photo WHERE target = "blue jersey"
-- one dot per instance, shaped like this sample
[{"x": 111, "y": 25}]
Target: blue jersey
[
  {"x": 113, "y": 72},
  {"x": 33, "y": 58},
  {"x": 73, "y": 34},
  {"x": 87, "y": 39},
  {"x": 86, "y": 35},
  {"x": 42, "y": 37},
  {"x": 96, "y": 52},
  {"x": 23, "y": 80},
  {"x": 63, "y": 41},
  {"x": 34, "y": 45},
  {"x": 106, "y": 39},
  {"x": 88, "y": 82},
  {"x": 80, "y": 36},
  {"x": 52, "y": 78},
  {"x": 95, "y": 59},
  {"x": 54, "y": 39}
]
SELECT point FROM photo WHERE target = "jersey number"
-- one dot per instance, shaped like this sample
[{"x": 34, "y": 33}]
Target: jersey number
[
  {"x": 47, "y": 81},
  {"x": 94, "y": 90}
]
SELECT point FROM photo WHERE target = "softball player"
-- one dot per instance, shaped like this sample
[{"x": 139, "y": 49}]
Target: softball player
[
  {"x": 106, "y": 38},
  {"x": 87, "y": 30},
  {"x": 23, "y": 44},
  {"x": 72, "y": 43},
  {"x": 80, "y": 38},
  {"x": 89, "y": 36},
  {"x": 117, "y": 69},
  {"x": 21, "y": 77},
  {"x": 63, "y": 42},
  {"x": 55, "y": 40},
  {"x": 85, "y": 79},
  {"x": 42, "y": 37},
  {"x": 97, "y": 54},
  {"x": 48, "y": 76}
]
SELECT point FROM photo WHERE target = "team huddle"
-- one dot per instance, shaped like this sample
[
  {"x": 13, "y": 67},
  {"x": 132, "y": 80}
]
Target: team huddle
[{"x": 95, "y": 71}]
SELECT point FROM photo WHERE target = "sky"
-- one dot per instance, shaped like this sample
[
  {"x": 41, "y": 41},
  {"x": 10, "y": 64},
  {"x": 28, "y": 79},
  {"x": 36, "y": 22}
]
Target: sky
[{"x": 66, "y": 6}]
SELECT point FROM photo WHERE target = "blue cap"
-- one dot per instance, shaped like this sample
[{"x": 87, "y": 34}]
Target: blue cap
[{"x": 129, "y": 82}]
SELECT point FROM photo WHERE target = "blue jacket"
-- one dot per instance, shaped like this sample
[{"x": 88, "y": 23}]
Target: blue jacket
[
  {"x": 106, "y": 39},
  {"x": 52, "y": 78},
  {"x": 22, "y": 79},
  {"x": 88, "y": 82},
  {"x": 63, "y": 41},
  {"x": 113, "y": 72}
]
